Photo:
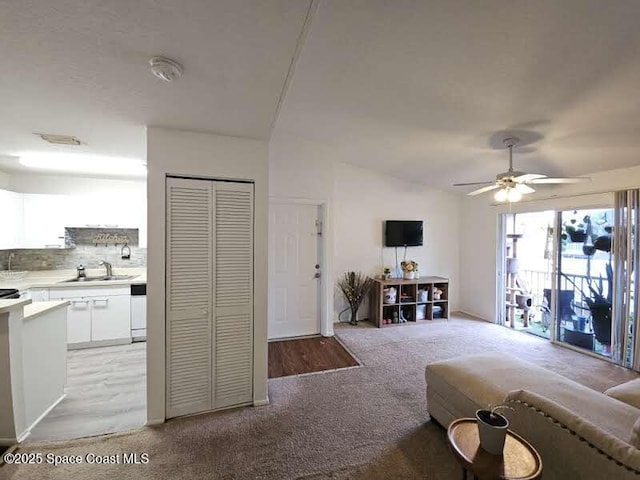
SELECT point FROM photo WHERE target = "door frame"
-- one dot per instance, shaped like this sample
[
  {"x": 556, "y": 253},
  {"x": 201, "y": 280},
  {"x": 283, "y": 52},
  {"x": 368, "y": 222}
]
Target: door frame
[{"x": 325, "y": 251}]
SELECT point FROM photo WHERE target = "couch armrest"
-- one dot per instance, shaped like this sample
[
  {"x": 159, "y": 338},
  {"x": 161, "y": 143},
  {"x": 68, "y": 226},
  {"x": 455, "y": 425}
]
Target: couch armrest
[{"x": 614, "y": 449}]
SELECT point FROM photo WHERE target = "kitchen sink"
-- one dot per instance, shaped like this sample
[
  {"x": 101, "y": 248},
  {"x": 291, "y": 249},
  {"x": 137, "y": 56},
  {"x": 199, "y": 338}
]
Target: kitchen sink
[{"x": 104, "y": 278}]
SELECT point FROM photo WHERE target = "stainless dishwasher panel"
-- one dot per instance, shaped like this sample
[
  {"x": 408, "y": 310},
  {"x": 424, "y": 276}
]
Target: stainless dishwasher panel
[{"x": 139, "y": 312}]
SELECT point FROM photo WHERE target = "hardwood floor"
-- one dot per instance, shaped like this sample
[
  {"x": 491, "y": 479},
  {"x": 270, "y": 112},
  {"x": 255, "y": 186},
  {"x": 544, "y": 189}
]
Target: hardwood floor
[
  {"x": 106, "y": 393},
  {"x": 294, "y": 357}
]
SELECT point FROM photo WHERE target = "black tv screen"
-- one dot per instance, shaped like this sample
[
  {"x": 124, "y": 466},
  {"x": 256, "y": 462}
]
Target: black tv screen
[{"x": 403, "y": 233}]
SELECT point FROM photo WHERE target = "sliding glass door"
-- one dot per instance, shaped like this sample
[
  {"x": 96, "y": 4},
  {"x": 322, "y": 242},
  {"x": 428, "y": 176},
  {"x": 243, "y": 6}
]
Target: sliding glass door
[
  {"x": 527, "y": 250},
  {"x": 584, "y": 293},
  {"x": 571, "y": 276}
]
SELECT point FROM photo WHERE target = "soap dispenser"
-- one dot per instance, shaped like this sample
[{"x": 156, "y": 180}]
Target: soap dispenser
[{"x": 82, "y": 274}]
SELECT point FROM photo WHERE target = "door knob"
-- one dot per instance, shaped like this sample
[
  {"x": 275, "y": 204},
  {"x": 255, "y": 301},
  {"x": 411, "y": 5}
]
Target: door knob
[
  {"x": 317, "y": 275},
  {"x": 317, "y": 265}
]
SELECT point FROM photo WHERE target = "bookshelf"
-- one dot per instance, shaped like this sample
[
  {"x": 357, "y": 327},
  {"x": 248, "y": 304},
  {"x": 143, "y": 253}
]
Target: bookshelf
[{"x": 415, "y": 301}]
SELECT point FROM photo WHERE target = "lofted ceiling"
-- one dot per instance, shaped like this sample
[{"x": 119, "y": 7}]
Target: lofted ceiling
[
  {"x": 414, "y": 89},
  {"x": 418, "y": 89}
]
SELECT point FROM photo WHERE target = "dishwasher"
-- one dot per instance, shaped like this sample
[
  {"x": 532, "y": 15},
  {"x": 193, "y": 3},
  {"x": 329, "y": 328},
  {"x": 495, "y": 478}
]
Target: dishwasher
[{"x": 139, "y": 312}]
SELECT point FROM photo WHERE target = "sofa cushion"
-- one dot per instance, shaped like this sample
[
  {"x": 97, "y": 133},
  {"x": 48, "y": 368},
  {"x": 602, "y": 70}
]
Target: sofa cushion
[
  {"x": 628, "y": 392},
  {"x": 635, "y": 434},
  {"x": 486, "y": 379}
]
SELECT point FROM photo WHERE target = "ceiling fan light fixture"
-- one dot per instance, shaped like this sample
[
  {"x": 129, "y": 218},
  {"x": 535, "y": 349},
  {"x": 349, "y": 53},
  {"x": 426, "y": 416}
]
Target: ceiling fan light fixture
[
  {"x": 514, "y": 195},
  {"x": 508, "y": 194},
  {"x": 501, "y": 195}
]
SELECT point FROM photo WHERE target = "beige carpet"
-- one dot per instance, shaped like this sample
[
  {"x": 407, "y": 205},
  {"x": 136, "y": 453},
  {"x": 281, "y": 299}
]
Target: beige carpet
[{"x": 364, "y": 423}]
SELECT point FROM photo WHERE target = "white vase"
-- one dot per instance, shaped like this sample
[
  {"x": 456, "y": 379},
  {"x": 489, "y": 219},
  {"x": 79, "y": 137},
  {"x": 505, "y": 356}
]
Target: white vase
[
  {"x": 492, "y": 437},
  {"x": 409, "y": 275}
]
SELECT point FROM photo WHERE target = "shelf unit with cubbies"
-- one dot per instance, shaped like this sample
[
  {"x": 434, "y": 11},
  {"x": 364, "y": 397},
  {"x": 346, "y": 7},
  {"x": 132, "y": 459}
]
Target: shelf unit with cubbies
[{"x": 415, "y": 301}]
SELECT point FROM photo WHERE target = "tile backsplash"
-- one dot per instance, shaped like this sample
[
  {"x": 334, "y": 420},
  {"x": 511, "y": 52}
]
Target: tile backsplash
[{"x": 67, "y": 258}]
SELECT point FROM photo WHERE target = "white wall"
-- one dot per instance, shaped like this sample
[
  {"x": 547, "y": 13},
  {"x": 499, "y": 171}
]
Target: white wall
[
  {"x": 209, "y": 156},
  {"x": 75, "y": 201},
  {"x": 364, "y": 199},
  {"x": 359, "y": 201},
  {"x": 479, "y": 234}
]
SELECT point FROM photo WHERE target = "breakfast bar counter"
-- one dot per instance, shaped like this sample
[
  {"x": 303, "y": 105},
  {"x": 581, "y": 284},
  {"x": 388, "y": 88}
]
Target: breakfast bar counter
[{"x": 33, "y": 364}]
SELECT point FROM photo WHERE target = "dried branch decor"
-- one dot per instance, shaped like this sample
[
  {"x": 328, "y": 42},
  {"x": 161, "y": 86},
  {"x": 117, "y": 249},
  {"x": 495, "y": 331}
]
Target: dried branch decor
[{"x": 355, "y": 286}]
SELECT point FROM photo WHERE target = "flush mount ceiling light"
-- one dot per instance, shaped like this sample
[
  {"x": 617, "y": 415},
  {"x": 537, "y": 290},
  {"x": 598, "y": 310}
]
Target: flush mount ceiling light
[
  {"x": 83, "y": 163},
  {"x": 513, "y": 184},
  {"x": 59, "y": 139},
  {"x": 165, "y": 68}
]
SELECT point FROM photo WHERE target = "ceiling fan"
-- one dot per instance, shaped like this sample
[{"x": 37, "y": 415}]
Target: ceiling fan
[{"x": 512, "y": 184}]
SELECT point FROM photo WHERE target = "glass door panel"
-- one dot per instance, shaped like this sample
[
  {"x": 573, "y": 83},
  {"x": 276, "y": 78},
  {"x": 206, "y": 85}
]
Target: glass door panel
[
  {"x": 584, "y": 293},
  {"x": 527, "y": 271}
]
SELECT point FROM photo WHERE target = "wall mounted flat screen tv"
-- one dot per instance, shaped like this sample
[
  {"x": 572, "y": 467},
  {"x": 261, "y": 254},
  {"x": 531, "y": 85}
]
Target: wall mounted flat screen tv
[{"x": 403, "y": 233}]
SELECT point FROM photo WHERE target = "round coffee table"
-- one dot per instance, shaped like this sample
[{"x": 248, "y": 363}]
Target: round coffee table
[{"x": 519, "y": 460}]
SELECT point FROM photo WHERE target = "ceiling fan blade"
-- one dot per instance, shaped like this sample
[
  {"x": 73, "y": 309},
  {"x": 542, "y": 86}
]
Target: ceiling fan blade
[
  {"x": 527, "y": 177},
  {"x": 524, "y": 189},
  {"x": 487, "y": 188},
  {"x": 472, "y": 183},
  {"x": 560, "y": 180}
]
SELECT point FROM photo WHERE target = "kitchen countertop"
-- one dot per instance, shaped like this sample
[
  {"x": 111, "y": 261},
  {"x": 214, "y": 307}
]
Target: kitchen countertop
[
  {"x": 36, "y": 309},
  {"x": 53, "y": 278},
  {"x": 8, "y": 305}
]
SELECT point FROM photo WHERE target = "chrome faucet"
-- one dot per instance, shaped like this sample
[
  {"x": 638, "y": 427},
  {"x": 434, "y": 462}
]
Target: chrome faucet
[{"x": 107, "y": 265}]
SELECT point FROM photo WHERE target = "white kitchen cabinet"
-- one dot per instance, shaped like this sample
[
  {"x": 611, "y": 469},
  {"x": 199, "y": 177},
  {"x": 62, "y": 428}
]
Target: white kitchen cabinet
[
  {"x": 44, "y": 220},
  {"x": 110, "y": 318},
  {"x": 33, "y": 220},
  {"x": 96, "y": 314},
  {"x": 78, "y": 320},
  {"x": 39, "y": 294},
  {"x": 12, "y": 231}
]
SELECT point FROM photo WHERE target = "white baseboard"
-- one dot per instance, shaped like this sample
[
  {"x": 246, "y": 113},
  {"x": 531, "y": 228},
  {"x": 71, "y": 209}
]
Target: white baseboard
[
  {"x": 473, "y": 315},
  {"x": 7, "y": 442},
  {"x": 98, "y": 343},
  {"x": 261, "y": 403}
]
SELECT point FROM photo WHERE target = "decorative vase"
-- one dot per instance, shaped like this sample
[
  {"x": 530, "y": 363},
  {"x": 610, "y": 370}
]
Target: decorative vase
[
  {"x": 354, "y": 316},
  {"x": 409, "y": 275},
  {"x": 492, "y": 429}
]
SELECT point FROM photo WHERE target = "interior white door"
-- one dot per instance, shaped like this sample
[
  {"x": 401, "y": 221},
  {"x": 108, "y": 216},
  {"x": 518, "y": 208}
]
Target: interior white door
[
  {"x": 189, "y": 296},
  {"x": 233, "y": 294},
  {"x": 209, "y": 306},
  {"x": 294, "y": 270}
]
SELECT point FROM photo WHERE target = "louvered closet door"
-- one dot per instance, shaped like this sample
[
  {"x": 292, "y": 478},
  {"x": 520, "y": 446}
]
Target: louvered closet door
[
  {"x": 188, "y": 296},
  {"x": 233, "y": 323}
]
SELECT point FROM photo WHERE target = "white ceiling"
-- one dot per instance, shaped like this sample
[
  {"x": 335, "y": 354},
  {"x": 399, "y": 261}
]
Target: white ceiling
[
  {"x": 79, "y": 67},
  {"x": 415, "y": 89}
]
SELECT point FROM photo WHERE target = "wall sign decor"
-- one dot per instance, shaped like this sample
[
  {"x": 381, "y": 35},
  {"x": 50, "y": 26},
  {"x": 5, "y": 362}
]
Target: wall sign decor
[{"x": 101, "y": 236}]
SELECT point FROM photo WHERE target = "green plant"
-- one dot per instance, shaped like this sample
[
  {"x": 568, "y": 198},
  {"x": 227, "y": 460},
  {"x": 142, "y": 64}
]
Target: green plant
[{"x": 354, "y": 286}]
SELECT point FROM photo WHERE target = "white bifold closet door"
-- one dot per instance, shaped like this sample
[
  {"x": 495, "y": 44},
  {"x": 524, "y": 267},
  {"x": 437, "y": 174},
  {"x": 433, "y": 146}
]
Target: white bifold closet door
[{"x": 209, "y": 295}]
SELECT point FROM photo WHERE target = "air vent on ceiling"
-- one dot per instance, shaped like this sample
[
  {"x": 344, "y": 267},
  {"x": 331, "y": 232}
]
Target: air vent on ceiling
[{"x": 59, "y": 139}]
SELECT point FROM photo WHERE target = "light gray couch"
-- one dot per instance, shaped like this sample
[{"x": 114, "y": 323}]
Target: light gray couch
[{"x": 580, "y": 433}]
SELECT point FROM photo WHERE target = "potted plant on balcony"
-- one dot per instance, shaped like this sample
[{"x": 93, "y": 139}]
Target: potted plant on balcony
[
  {"x": 597, "y": 300},
  {"x": 354, "y": 286}
]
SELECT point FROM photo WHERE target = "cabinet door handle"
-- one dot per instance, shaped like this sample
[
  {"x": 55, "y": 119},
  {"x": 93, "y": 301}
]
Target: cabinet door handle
[
  {"x": 76, "y": 302},
  {"x": 104, "y": 300}
]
